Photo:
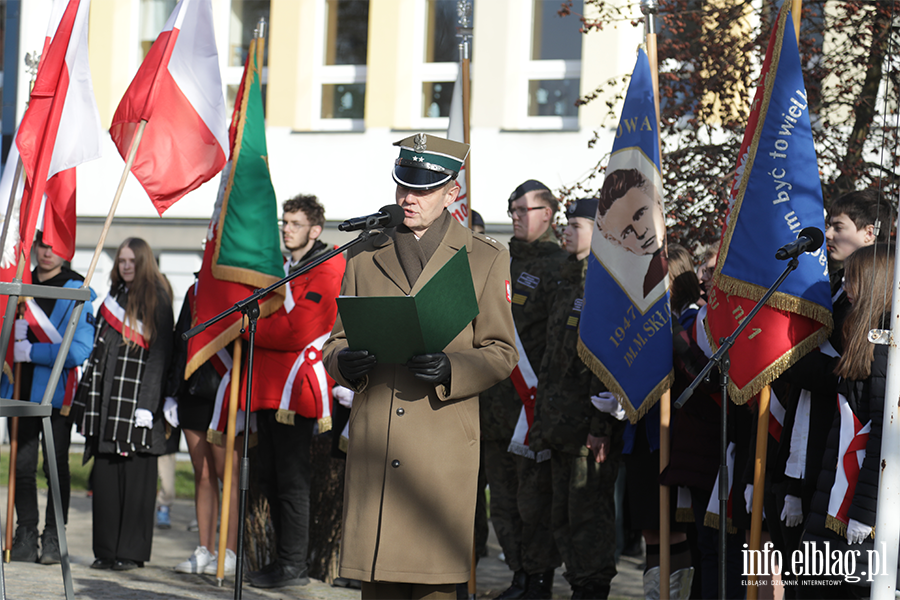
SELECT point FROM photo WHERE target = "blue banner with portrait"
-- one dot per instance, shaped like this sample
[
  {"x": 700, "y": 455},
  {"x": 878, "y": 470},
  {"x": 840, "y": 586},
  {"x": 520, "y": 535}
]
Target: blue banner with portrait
[{"x": 625, "y": 334}]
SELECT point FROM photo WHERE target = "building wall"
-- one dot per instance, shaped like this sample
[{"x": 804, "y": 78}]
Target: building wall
[{"x": 347, "y": 162}]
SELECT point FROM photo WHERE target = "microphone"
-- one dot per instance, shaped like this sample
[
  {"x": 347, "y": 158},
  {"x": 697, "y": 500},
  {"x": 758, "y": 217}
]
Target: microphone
[
  {"x": 809, "y": 240},
  {"x": 388, "y": 216}
]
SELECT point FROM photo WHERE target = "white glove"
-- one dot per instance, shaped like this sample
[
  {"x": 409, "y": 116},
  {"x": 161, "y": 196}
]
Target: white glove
[
  {"x": 792, "y": 514},
  {"x": 343, "y": 395},
  {"x": 22, "y": 351},
  {"x": 857, "y": 532},
  {"x": 607, "y": 402},
  {"x": 143, "y": 418},
  {"x": 748, "y": 498},
  {"x": 170, "y": 411},
  {"x": 21, "y": 327}
]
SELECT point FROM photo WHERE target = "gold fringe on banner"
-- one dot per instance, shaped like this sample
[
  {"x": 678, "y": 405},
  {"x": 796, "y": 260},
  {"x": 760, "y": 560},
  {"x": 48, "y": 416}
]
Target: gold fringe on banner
[
  {"x": 779, "y": 300},
  {"x": 684, "y": 515},
  {"x": 603, "y": 374},
  {"x": 712, "y": 520},
  {"x": 742, "y": 395}
]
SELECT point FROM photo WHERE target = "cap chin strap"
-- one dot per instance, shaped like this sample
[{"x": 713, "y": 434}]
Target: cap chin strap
[{"x": 419, "y": 186}]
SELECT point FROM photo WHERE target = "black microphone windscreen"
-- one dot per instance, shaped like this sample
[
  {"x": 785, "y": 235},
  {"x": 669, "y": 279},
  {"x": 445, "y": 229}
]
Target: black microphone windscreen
[
  {"x": 396, "y": 215},
  {"x": 815, "y": 234}
]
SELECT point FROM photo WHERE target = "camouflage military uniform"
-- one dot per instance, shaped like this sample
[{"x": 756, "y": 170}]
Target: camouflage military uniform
[
  {"x": 534, "y": 271},
  {"x": 583, "y": 513}
]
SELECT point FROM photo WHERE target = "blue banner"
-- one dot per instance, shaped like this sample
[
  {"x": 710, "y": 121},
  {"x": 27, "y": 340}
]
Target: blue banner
[
  {"x": 776, "y": 194},
  {"x": 626, "y": 329}
]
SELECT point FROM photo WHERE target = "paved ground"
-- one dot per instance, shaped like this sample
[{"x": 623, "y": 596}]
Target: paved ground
[{"x": 158, "y": 580}]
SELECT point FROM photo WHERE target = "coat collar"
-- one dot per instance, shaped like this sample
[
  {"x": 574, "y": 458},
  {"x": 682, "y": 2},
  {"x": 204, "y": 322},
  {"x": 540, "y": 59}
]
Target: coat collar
[{"x": 385, "y": 256}]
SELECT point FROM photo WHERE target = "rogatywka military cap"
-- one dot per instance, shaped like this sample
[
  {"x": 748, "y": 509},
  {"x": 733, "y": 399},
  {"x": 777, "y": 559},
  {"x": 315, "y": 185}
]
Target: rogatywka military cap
[
  {"x": 427, "y": 161},
  {"x": 585, "y": 207}
]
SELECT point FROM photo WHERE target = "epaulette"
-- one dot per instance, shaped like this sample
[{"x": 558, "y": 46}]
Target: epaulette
[{"x": 489, "y": 241}]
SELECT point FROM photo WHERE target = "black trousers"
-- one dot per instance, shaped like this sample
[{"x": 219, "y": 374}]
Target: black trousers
[
  {"x": 284, "y": 475},
  {"x": 31, "y": 433},
  {"x": 123, "y": 506}
]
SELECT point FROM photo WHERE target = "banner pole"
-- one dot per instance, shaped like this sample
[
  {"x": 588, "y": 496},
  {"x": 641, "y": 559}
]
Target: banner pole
[
  {"x": 228, "y": 478},
  {"x": 132, "y": 152},
  {"x": 759, "y": 484},
  {"x": 650, "y": 9}
]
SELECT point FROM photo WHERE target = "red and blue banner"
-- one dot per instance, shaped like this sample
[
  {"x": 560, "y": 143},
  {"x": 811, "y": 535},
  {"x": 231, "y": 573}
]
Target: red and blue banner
[
  {"x": 625, "y": 335},
  {"x": 776, "y": 193}
]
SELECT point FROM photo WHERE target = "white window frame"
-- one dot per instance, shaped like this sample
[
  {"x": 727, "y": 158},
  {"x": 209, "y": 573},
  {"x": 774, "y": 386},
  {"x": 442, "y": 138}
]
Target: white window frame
[
  {"x": 329, "y": 75},
  {"x": 425, "y": 72},
  {"x": 543, "y": 70}
]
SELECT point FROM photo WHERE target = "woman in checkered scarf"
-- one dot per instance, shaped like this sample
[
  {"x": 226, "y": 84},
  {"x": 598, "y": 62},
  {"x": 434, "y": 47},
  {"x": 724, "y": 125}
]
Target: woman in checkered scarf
[{"x": 119, "y": 406}]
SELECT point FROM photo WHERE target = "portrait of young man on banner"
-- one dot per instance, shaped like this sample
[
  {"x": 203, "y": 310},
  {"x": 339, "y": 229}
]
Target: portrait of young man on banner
[{"x": 630, "y": 218}]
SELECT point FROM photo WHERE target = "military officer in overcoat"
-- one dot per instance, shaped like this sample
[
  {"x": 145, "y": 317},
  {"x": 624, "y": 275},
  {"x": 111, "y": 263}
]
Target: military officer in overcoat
[{"x": 412, "y": 463}]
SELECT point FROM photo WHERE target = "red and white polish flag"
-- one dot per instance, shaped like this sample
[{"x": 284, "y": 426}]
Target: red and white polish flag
[
  {"x": 61, "y": 127},
  {"x": 178, "y": 91}
]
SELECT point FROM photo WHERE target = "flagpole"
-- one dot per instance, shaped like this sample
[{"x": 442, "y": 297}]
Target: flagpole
[
  {"x": 759, "y": 484},
  {"x": 9, "y": 316},
  {"x": 132, "y": 152},
  {"x": 650, "y": 9},
  {"x": 229, "y": 460},
  {"x": 464, "y": 10}
]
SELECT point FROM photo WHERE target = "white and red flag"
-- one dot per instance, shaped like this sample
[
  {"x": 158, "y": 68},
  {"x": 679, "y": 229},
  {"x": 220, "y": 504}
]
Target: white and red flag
[
  {"x": 178, "y": 91},
  {"x": 60, "y": 129},
  {"x": 456, "y": 132},
  {"x": 10, "y": 253}
]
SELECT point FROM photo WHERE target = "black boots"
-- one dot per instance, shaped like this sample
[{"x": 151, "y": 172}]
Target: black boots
[
  {"x": 540, "y": 586},
  {"x": 49, "y": 548},
  {"x": 25, "y": 545},
  {"x": 517, "y": 589}
]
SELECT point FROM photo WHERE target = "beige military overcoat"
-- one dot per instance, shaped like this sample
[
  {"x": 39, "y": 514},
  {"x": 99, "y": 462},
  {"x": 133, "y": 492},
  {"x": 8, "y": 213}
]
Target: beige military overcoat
[{"x": 412, "y": 462}]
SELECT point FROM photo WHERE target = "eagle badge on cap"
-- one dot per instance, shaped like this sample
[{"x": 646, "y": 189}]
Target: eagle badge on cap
[{"x": 420, "y": 142}]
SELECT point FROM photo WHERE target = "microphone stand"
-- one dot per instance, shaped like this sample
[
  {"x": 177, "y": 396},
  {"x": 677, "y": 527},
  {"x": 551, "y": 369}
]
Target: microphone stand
[
  {"x": 722, "y": 360},
  {"x": 249, "y": 307}
]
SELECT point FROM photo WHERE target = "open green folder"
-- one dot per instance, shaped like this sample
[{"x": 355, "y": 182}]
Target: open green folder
[{"x": 396, "y": 328}]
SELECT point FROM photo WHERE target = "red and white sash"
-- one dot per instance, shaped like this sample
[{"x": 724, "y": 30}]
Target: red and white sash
[
  {"x": 43, "y": 329},
  {"x": 40, "y": 325},
  {"x": 851, "y": 452},
  {"x": 308, "y": 365},
  {"x": 712, "y": 509},
  {"x": 114, "y": 314},
  {"x": 223, "y": 363},
  {"x": 525, "y": 381}
]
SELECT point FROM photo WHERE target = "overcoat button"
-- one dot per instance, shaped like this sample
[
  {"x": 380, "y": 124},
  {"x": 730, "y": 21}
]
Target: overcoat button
[
  {"x": 395, "y": 463},
  {"x": 401, "y": 412}
]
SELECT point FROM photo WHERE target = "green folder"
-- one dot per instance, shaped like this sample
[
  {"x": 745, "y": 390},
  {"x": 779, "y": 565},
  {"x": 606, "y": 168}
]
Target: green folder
[{"x": 396, "y": 328}]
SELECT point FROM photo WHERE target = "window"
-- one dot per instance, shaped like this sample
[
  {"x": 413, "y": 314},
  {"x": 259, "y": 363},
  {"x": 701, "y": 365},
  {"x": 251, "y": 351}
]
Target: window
[
  {"x": 243, "y": 19},
  {"x": 554, "y": 66},
  {"x": 435, "y": 76},
  {"x": 342, "y": 71},
  {"x": 153, "y": 17}
]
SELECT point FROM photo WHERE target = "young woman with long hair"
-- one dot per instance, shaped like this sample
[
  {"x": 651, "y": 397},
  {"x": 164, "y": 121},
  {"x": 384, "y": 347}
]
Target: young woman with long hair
[
  {"x": 844, "y": 505},
  {"x": 119, "y": 406}
]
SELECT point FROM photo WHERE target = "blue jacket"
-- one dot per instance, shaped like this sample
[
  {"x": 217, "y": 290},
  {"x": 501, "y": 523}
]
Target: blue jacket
[{"x": 44, "y": 355}]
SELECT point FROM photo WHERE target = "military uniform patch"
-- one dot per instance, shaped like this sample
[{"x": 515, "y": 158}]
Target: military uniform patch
[
  {"x": 528, "y": 280},
  {"x": 520, "y": 297},
  {"x": 575, "y": 314}
]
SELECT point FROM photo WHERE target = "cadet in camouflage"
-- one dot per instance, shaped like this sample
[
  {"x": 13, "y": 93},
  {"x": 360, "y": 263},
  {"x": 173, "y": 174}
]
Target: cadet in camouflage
[
  {"x": 534, "y": 269},
  {"x": 566, "y": 422}
]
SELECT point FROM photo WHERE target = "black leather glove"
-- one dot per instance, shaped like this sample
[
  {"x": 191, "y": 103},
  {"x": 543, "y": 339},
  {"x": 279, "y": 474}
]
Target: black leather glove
[
  {"x": 354, "y": 364},
  {"x": 433, "y": 368}
]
